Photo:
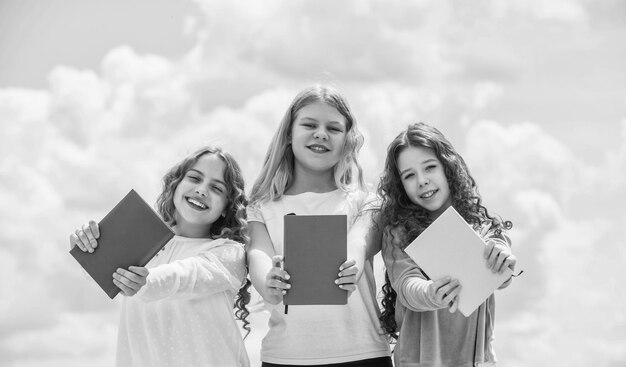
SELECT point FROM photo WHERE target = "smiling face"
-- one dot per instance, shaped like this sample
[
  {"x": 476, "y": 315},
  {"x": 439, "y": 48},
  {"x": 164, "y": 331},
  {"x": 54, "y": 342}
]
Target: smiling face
[
  {"x": 424, "y": 179},
  {"x": 318, "y": 135},
  {"x": 200, "y": 197}
]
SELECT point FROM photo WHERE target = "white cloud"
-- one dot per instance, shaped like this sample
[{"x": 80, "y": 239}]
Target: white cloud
[{"x": 69, "y": 152}]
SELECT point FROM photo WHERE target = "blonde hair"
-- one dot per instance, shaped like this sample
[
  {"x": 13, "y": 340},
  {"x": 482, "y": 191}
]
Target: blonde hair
[{"x": 277, "y": 171}]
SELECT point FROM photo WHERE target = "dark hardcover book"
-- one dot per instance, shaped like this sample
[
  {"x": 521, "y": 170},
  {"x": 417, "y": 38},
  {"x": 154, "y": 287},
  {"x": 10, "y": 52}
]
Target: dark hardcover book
[
  {"x": 130, "y": 234},
  {"x": 314, "y": 248}
]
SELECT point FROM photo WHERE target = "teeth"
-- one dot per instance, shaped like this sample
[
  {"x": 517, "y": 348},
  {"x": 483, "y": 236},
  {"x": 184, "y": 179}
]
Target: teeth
[
  {"x": 318, "y": 148},
  {"x": 428, "y": 194},
  {"x": 196, "y": 203}
]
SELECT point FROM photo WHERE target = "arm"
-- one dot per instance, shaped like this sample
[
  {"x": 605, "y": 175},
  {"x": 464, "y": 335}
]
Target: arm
[
  {"x": 216, "y": 270},
  {"x": 364, "y": 241},
  {"x": 414, "y": 290},
  {"x": 265, "y": 266}
]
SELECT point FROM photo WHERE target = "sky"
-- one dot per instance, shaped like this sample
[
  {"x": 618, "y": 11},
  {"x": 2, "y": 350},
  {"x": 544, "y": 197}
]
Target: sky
[{"x": 100, "y": 97}]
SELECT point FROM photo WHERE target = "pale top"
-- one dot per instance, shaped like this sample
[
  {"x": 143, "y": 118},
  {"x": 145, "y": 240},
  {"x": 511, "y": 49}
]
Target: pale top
[
  {"x": 431, "y": 336},
  {"x": 183, "y": 316},
  {"x": 328, "y": 333}
]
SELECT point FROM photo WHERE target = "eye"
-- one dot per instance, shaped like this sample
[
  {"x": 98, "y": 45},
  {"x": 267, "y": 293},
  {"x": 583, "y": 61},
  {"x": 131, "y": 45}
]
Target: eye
[
  {"x": 431, "y": 167},
  {"x": 336, "y": 129},
  {"x": 407, "y": 176},
  {"x": 192, "y": 177},
  {"x": 218, "y": 188}
]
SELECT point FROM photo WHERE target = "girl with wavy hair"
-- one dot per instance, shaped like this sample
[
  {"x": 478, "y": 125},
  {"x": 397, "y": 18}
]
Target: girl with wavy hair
[
  {"x": 423, "y": 176},
  {"x": 178, "y": 308},
  {"x": 311, "y": 168}
]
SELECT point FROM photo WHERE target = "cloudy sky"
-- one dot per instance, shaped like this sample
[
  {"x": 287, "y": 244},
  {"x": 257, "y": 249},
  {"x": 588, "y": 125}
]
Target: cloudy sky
[{"x": 100, "y": 97}]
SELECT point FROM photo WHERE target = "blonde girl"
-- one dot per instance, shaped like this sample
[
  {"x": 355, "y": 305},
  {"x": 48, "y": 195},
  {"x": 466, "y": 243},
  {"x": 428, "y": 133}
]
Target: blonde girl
[
  {"x": 311, "y": 168},
  {"x": 423, "y": 176},
  {"x": 178, "y": 308}
]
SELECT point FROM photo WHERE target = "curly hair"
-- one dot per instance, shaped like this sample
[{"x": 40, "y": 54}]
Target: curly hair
[
  {"x": 399, "y": 212},
  {"x": 233, "y": 225}
]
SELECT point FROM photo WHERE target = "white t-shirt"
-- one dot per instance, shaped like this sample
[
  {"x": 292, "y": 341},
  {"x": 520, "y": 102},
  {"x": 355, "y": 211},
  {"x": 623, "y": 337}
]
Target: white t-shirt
[
  {"x": 183, "y": 316},
  {"x": 328, "y": 333}
]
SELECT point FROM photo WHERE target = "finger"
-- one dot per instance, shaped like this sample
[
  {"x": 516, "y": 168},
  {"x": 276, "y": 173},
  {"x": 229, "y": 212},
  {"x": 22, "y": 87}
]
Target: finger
[
  {"x": 346, "y": 280},
  {"x": 440, "y": 282},
  {"x": 508, "y": 263},
  {"x": 278, "y": 273},
  {"x": 488, "y": 248},
  {"x": 132, "y": 277},
  {"x": 349, "y": 271},
  {"x": 277, "y": 284},
  {"x": 443, "y": 291},
  {"x": 498, "y": 266},
  {"x": 95, "y": 229},
  {"x": 455, "y": 305},
  {"x": 75, "y": 241},
  {"x": 347, "y": 264},
  {"x": 277, "y": 261},
  {"x": 90, "y": 237},
  {"x": 139, "y": 270},
  {"x": 348, "y": 287},
  {"x": 451, "y": 295},
  {"x": 493, "y": 257},
  {"x": 83, "y": 238},
  {"x": 127, "y": 291}
]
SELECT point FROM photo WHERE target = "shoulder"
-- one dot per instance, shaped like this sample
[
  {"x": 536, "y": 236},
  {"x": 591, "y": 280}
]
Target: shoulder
[
  {"x": 256, "y": 211},
  {"x": 362, "y": 199}
]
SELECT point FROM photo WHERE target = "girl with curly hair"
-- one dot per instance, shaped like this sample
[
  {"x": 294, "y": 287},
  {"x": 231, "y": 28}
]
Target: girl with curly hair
[
  {"x": 423, "y": 176},
  {"x": 178, "y": 309}
]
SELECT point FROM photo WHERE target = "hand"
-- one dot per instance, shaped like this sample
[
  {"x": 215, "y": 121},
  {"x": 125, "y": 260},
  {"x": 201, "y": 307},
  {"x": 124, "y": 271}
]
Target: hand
[
  {"x": 444, "y": 292},
  {"x": 347, "y": 276},
  {"x": 276, "y": 281},
  {"x": 130, "y": 281},
  {"x": 85, "y": 237},
  {"x": 499, "y": 256}
]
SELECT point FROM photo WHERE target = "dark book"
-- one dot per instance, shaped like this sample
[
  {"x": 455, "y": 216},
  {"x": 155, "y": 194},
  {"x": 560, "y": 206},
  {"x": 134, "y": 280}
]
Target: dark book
[
  {"x": 314, "y": 248},
  {"x": 130, "y": 234}
]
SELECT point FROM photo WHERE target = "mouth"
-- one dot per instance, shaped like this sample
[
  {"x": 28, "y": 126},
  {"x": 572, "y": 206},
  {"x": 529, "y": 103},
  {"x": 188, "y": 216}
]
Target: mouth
[
  {"x": 428, "y": 194},
  {"x": 317, "y": 148},
  {"x": 196, "y": 204}
]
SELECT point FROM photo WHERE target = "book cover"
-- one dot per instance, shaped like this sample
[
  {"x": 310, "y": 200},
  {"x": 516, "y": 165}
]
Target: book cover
[
  {"x": 314, "y": 248},
  {"x": 451, "y": 247},
  {"x": 130, "y": 234}
]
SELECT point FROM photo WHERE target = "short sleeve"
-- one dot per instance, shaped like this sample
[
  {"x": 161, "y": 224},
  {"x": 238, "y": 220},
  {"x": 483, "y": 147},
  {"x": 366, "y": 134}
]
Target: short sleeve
[{"x": 254, "y": 213}]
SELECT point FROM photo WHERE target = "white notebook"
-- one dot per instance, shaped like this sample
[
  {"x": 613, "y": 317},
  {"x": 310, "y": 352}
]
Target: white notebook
[{"x": 450, "y": 247}]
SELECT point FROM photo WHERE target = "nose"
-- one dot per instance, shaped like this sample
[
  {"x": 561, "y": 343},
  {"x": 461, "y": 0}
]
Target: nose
[
  {"x": 201, "y": 191},
  {"x": 423, "y": 180},
  {"x": 320, "y": 134}
]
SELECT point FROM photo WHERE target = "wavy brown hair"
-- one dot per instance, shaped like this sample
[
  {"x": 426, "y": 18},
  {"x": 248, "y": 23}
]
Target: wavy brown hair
[
  {"x": 233, "y": 225},
  {"x": 397, "y": 211}
]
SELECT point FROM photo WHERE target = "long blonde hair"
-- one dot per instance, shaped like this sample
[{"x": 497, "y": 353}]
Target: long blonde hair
[{"x": 278, "y": 166}]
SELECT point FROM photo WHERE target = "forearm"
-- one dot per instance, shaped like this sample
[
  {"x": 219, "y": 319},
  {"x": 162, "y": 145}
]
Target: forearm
[
  {"x": 259, "y": 265},
  {"x": 413, "y": 294},
  {"x": 364, "y": 240},
  {"x": 197, "y": 276}
]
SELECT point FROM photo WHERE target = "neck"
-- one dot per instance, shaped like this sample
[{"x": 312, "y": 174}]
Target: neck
[
  {"x": 434, "y": 215},
  {"x": 308, "y": 181},
  {"x": 192, "y": 231}
]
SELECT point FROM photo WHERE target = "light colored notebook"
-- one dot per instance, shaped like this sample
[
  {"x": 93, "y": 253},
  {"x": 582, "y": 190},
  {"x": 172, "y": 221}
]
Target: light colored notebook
[{"x": 450, "y": 247}]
